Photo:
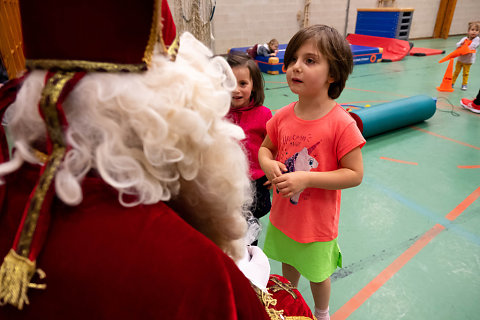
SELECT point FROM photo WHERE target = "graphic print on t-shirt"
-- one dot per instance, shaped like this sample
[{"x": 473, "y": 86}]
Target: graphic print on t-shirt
[{"x": 301, "y": 161}]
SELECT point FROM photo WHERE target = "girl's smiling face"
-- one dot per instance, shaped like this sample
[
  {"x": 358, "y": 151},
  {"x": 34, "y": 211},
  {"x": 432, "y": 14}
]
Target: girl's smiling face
[{"x": 243, "y": 91}]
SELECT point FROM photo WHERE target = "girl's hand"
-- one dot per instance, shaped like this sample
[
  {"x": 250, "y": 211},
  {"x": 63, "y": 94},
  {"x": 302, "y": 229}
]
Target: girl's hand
[
  {"x": 274, "y": 169},
  {"x": 291, "y": 183}
]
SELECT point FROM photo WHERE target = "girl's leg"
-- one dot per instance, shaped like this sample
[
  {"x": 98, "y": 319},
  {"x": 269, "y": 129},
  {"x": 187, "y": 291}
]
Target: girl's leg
[
  {"x": 458, "y": 68},
  {"x": 466, "y": 71},
  {"x": 321, "y": 297},
  {"x": 321, "y": 293},
  {"x": 291, "y": 274}
]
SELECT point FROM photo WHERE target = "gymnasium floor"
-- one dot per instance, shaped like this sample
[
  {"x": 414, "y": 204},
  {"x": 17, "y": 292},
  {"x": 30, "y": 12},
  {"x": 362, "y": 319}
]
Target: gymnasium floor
[{"x": 410, "y": 233}]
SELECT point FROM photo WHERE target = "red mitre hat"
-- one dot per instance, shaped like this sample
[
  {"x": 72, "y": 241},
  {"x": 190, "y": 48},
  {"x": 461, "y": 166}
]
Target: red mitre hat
[
  {"x": 103, "y": 35},
  {"x": 70, "y": 38}
]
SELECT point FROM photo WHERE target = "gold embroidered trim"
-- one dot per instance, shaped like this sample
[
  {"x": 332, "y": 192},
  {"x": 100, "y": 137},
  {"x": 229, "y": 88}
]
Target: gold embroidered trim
[
  {"x": 48, "y": 105},
  {"x": 267, "y": 300},
  {"x": 76, "y": 65},
  {"x": 279, "y": 285}
]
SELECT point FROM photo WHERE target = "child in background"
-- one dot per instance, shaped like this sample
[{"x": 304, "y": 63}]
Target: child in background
[
  {"x": 311, "y": 151},
  {"x": 248, "y": 112},
  {"x": 269, "y": 49},
  {"x": 465, "y": 61}
]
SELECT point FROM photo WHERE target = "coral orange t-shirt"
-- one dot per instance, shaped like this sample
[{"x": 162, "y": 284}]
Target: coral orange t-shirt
[{"x": 311, "y": 145}]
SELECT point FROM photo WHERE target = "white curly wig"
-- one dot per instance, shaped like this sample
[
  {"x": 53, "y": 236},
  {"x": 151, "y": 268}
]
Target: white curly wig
[{"x": 159, "y": 136}]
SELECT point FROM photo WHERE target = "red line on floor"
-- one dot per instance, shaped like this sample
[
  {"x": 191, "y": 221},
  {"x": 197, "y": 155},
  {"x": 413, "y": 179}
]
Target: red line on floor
[
  {"x": 400, "y": 161},
  {"x": 446, "y": 138},
  {"x": 366, "y": 292},
  {"x": 354, "y": 303},
  {"x": 469, "y": 167},
  {"x": 452, "y": 215}
]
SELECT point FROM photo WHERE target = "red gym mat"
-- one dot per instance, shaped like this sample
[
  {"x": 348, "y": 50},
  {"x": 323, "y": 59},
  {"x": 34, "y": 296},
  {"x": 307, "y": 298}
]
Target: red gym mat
[
  {"x": 421, "y": 52},
  {"x": 393, "y": 49}
]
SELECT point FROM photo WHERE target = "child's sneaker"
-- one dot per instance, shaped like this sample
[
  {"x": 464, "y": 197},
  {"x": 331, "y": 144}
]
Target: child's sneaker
[
  {"x": 468, "y": 104},
  {"x": 464, "y": 87}
]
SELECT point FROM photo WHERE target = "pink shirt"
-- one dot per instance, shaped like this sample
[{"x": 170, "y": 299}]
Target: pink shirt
[
  {"x": 252, "y": 120},
  {"x": 315, "y": 145}
]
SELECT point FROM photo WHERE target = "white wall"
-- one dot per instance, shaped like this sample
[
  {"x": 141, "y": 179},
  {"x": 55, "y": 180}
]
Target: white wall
[
  {"x": 465, "y": 11},
  {"x": 424, "y": 16},
  {"x": 240, "y": 23}
]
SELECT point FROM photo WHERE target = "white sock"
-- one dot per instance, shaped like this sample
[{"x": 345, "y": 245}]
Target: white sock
[{"x": 322, "y": 314}]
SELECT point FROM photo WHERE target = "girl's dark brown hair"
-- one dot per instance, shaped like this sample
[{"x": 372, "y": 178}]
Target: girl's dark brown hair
[
  {"x": 241, "y": 59},
  {"x": 333, "y": 46}
]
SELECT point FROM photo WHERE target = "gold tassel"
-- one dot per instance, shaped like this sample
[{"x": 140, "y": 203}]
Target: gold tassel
[{"x": 15, "y": 275}]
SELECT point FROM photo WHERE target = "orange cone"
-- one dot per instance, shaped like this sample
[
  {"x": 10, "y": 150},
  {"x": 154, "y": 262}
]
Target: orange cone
[
  {"x": 460, "y": 51},
  {"x": 446, "y": 84}
]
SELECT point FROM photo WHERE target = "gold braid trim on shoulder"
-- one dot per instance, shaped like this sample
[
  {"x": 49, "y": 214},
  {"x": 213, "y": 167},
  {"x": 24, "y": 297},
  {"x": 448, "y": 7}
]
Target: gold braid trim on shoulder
[
  {"x": 76, "y": 65},
  {"x": 17, "y": 269},
  {"x": 48, "y": 102}
]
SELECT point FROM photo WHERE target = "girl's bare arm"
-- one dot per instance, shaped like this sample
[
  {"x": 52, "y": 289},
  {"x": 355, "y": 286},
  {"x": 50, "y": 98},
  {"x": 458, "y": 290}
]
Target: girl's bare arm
[{"x": 266, "y": 156}]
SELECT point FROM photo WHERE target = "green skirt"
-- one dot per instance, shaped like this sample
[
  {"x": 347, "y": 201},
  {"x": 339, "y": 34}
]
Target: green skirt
[{"x": 316, "y": 261}]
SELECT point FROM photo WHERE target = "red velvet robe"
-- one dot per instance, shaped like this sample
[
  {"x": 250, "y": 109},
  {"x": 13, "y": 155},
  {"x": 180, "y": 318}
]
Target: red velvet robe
[{"x": 105, "y": 261}]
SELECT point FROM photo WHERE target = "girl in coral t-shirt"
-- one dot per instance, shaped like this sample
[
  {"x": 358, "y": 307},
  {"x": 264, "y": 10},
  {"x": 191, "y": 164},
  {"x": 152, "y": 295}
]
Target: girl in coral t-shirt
[{"x": 311, "y": 151}]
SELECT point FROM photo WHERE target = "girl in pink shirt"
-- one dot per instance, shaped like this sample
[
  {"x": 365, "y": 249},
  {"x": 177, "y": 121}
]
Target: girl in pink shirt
[
  {"x": 247, "y": 111},
  {"x": 310, "y": 153}
]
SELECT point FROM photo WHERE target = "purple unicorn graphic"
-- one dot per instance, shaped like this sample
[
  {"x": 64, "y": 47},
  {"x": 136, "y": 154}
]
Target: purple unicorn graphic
[{"x": 301, "y": 161}]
